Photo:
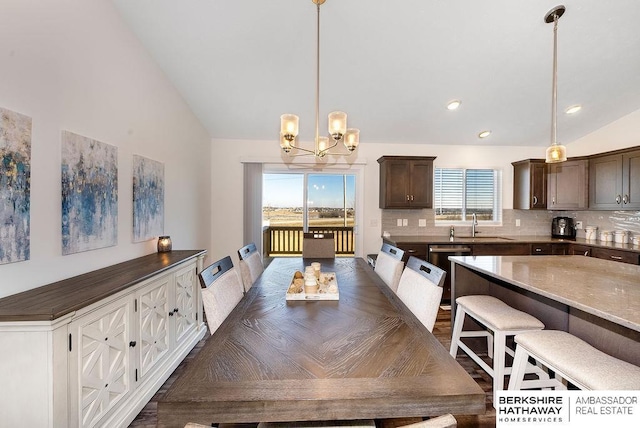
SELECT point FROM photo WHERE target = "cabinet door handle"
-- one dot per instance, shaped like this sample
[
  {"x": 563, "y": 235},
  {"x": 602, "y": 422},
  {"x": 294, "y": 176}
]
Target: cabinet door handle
[
  {"x": 411, "y": 251},
  {"x": 170, "y": 313},
  {"x": 535, "y": 200},
  {"x": 132, "y": 344},
  {"x": 175, "y": 309},
  {"x": 412, "y": 197},
  {"x": 586, "y": 253},
  {"x": 618, "y": 199},
  {"x": 553, "y": 200},
  {"x": 538, "y": 250},
  {"x": 616, "y": 257},
  {"x": 408, "y": 198},
  {"x": 625, "y": 199}
]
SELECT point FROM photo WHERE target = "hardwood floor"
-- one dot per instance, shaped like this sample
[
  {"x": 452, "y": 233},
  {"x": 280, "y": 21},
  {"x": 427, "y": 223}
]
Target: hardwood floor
[{"x": 442, "y": 330}]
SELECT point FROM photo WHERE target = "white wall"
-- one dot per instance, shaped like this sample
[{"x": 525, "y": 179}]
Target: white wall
[
  {"x": 74, "y": 65},
  {"x": 226, "y": 219},
  {"x": 624, "y": 132}
]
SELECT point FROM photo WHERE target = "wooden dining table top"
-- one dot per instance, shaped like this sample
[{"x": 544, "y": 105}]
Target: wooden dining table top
[{"x": 363, "y": 356}]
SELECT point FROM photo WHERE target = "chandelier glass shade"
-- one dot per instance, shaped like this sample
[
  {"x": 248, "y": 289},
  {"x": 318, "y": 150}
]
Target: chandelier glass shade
[
  {"x": 555, "y": 152},
  {"x": 337, "y": 123}
]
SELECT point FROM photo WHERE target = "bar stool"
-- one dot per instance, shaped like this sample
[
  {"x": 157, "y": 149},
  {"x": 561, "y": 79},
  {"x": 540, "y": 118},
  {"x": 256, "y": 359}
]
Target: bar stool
[
  {"x": 499, "y": 321},
  {"x": 571, "y": 359}
]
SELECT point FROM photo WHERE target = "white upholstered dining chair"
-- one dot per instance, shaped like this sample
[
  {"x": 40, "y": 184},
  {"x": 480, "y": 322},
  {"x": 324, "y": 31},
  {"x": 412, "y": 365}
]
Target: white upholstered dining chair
[
  {"x": 250, "y": 264},
  {"x": 318, "y": 245},
  {"x": 389, "y": 265},
  {"x": 221, "y": 291},
  {"x": 420, "y": 289},
  {"x": 366, "y": 423},
  {"x": 444, "y": 421}
]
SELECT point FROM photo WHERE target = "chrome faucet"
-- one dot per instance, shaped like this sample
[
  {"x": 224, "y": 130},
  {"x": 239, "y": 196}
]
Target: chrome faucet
[{"x": 474, "y": 223}]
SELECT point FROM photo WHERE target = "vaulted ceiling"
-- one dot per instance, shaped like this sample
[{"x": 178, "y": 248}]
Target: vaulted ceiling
[{"x": 394, "y": 65}]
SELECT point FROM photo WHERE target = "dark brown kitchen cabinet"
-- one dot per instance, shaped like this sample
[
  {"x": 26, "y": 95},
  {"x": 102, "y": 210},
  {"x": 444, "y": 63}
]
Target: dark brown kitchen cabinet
[
  {"x": 614, "y": 181},
  {"x": 567, "y": 185},
  {"x": 415, "y": 250},
  {"x": 546, "y": 249},
  {"x": 406, "y": 181},
  {"x": 616, "y": 255},
  {"x": 530, "y": 184},
  {"x": 579, "y": 250},
  {"x": 511, "y": 249}
]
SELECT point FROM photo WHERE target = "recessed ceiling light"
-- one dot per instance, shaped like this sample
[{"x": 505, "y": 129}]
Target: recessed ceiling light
[
  {"x": 573, "y": 109},
  {"x": 453, "y": 105},
  {"x": 484, "y": 134}
]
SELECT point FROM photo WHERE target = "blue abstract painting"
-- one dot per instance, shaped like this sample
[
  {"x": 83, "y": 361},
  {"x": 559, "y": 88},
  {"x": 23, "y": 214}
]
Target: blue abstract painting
[
  {"x": 15, "y": 186},
  {"x": 89, "y": 194},
  {"x": 148, "y": 198}
]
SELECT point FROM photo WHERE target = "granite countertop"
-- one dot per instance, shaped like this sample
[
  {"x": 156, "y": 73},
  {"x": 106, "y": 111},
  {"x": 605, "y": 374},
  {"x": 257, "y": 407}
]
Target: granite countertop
[
  {"x": 603, "y": 288},
  {"x": 494, "y": 239}
]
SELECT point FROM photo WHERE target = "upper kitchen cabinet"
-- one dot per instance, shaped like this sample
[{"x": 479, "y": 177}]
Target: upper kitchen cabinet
[
  {"x": 530, "y": 184},
  {"x": 567, "y": 185},
  {"x": 615, "y": 181},
  {"x": 406, "y": 181}
]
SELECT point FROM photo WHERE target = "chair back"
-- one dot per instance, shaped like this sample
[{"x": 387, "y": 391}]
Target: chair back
[
  {"x": 221, "y": 291},
  {"x": 250, "y": 264},
  {"x": 389, "y": 265},
  {"x": 318, "y": 246},
  {"x": 420, "y": 289},
  {"x": 444, "y": 421}
]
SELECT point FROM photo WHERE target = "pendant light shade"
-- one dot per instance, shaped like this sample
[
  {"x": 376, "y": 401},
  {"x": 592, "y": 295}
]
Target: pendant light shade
[{"x": 555, "y": 152}]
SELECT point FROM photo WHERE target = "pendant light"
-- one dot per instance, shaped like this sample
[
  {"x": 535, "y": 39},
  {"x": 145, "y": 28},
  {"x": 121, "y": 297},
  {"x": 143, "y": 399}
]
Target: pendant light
[
  {"x": 338, "y": 131},
  {"x": 555, "y": 152}
]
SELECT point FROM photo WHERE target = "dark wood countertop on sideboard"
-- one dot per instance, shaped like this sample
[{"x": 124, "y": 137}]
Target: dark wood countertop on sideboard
[{"x": 57, "y": 299}]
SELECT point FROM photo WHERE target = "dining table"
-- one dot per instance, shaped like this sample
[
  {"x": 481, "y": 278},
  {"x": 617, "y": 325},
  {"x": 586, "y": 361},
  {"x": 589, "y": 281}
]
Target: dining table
[{"x": 362, "y": 356}]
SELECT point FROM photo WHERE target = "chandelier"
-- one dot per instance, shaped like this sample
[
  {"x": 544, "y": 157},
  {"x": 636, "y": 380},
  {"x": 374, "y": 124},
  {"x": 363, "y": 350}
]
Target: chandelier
[
  {"x": 338, "y": 131},
  {"x": 555, "y": 152}
]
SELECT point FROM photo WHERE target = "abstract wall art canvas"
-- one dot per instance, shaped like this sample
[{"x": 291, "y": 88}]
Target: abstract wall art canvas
[
  {"x": 148, "y": 198},
  {"x": 89, "y": 194},
  {"x": 15, "y": 186}
]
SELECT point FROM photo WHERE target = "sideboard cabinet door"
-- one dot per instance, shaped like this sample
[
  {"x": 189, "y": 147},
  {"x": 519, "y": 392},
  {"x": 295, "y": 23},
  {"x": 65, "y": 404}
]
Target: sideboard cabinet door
[
  {"x": 185, "y": 303},
  {"x": 153, "y": 320},
  {"x": 101, "y": 375}
]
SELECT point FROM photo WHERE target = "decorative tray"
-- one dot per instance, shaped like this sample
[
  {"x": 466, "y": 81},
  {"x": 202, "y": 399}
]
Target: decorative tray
[{"x": 327, "y": 289}]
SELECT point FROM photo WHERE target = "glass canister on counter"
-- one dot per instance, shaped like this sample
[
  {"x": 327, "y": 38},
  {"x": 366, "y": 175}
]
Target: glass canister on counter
[
  {"x": 591, "y": 233},
  {"x": 606, "y": 236},
  {"x": 621, "y": 236}
]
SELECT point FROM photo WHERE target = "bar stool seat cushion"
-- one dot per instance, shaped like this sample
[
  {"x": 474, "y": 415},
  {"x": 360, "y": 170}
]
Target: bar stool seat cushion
[
  {"x": 496, "y": 314},
  {"x": 580, "y": 361}
]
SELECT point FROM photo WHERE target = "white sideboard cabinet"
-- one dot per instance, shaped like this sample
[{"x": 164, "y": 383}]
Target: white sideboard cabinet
[{"x": 92, "y": 350}]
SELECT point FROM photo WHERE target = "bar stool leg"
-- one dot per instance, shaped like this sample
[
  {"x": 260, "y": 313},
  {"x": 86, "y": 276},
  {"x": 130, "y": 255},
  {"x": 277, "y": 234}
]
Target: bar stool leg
[
  {"x": 499, "y": 342},
  {"x": 457, "y": 330}
]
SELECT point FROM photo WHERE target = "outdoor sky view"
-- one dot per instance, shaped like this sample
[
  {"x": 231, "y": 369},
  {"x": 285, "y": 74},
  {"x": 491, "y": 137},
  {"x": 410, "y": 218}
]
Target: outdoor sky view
[
  {"x": 329, "y": 196},
  {"x": 286, "y": 190}
]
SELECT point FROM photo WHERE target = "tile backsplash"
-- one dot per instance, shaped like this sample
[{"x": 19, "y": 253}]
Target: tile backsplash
[{"x": 532, "y": 222}]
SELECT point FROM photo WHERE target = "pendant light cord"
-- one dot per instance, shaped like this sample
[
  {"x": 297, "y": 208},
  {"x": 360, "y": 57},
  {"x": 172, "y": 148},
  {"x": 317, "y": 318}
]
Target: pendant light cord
[
  {"x": 554, "y": 95},
  {"x": 317, "y": 136}
]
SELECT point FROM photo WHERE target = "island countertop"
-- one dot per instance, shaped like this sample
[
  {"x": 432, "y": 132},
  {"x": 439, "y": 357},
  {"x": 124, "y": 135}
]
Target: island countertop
[{"x": 599, "y": 287}]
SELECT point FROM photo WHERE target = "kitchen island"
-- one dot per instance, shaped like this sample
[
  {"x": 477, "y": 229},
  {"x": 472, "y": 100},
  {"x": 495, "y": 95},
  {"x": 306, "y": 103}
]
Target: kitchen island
[{"x": 594, "y": 299}]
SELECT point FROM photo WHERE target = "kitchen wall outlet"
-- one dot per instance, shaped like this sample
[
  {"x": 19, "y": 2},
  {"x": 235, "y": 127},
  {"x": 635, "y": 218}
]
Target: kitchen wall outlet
[
  {"x": 405, "y": 222},
  {"x": 578, "y": 224},
  {"x": 517, "y": 222},
  {"x": 399, "y": 222},
  {"x": 422, "y": 222}
]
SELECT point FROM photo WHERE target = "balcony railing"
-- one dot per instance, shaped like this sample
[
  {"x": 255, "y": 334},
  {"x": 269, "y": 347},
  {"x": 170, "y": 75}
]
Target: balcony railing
[{"x": 287, "y": 240}]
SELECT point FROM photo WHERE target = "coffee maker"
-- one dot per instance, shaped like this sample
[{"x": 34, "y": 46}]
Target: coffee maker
[{"x": 563, "y": 227}]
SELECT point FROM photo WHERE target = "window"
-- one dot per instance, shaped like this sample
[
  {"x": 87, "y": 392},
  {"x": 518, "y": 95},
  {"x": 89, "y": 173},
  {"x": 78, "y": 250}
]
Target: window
[
  {"x": 326, "y": 200},
  {"x": 297, "y": 202},
  {"x": 459, "y": 192}
]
